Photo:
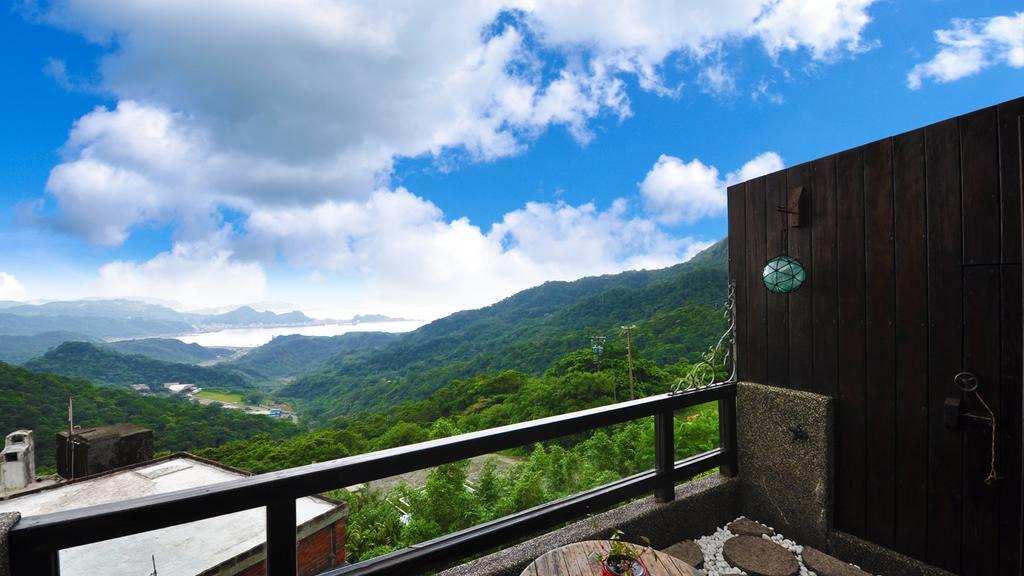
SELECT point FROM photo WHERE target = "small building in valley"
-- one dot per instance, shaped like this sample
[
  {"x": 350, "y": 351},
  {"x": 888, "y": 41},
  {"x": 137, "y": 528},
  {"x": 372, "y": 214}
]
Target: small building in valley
[
  {"x": 233, "y": 544},
  {"x": 178, "y": 388},
  {"x": 97, "y": 449}
]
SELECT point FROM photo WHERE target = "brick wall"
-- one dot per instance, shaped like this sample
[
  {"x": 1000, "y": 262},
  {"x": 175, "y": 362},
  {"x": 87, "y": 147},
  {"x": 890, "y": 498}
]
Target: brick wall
[{"x": 314, "y": 553}]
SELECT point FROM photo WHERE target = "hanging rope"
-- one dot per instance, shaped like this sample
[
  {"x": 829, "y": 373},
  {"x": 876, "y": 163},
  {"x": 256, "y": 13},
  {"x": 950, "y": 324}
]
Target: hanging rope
[{"x": 992, "y": 475}]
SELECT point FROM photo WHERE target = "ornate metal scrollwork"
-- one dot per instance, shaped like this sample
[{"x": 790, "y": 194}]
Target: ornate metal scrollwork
[{"x": 721, "y": 356}]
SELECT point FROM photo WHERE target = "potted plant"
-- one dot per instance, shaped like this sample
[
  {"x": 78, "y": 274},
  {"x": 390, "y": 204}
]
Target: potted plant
[{"x": 621, "y": 558}]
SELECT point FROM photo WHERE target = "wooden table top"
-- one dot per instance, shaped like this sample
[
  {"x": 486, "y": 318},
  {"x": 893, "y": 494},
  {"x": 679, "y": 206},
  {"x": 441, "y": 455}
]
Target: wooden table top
[{"x": 578, "y": 560}]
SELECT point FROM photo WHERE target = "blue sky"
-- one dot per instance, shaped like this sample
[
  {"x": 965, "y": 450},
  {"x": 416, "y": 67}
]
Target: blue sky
[{"x": 402, "y": 158}]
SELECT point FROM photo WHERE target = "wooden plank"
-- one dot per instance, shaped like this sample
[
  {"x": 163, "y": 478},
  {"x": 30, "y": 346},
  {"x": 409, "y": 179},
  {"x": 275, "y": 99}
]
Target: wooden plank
[
  {"x": 756, "y": 321},
  {"x": 850, "y": 416},
  {"x": 880, "y": 371},
  {"x": 777, "y": 368},
  {"x": 945, "y": 340},
  {"x": 553, "y": 564},
  {"x": 1011, "y": 137},
  {"x": 979, "y": 156},
  {"x": 1010, "y": 180},
  {"x": 1011, "y": 366},
  {"x": 738, "y": 268},
  {"x": 824, "y": 287},
  {"x": 981, "y": 357},
  {"x": 801, "y": 302},
  {"x": 911, "y": 255},
  {"x": 583, "y": 557}
]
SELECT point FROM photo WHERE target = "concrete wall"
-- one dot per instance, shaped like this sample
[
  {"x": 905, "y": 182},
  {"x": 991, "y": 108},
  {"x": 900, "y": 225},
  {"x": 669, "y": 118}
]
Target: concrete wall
[
  {"x": 699, "y": 507},
  {"x": 786, "y": 478},
  {"x": 785, "y": 441},
  {"x": 7, "y": 521}
]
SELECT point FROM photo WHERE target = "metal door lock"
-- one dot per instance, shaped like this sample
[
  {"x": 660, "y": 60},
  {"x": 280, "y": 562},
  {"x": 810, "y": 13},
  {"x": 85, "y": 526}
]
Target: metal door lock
[{"x": 953, "y": 409}]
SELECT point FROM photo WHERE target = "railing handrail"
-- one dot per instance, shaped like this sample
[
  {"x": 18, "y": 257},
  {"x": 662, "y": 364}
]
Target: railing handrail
[{"x": 36, "y": 538}]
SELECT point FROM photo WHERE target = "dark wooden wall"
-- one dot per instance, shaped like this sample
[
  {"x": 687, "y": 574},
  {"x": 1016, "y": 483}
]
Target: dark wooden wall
[{"x": 913, "y": 254}]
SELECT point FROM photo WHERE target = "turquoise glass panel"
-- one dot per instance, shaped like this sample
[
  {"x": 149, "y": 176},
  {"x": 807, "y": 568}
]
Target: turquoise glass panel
[{"x": 783, "y": 274}]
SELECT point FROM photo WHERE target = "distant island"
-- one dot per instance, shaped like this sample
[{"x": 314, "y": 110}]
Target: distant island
[{"x": 368, "y": 318}]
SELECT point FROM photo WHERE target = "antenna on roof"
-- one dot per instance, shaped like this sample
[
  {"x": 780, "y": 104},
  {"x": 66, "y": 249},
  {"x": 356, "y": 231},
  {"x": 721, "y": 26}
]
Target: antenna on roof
[
  {"x": 153, "y": 573},
  {"x": 71, "y": 440}
]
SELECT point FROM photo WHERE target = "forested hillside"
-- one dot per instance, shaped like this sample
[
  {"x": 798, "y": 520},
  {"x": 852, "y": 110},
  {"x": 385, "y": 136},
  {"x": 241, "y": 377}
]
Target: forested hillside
[
  {"x": 40, "y": 402},
  {"x": 527, "y": 476},
  {"x": 295, "y": 355},
  {"x": 169, "y": 350},
  {"x": 99, "y": 364},
  {"x": 20, "y": 349},
  {"x": 677, "y": 311}
]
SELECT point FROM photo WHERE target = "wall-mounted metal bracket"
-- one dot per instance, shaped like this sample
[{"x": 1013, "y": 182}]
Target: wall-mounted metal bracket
[{"x": 795, "y": 208}]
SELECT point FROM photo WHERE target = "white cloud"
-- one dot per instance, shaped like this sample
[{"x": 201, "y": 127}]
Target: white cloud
[
  {"x": 763, "y": 163},
  {"x": 262, "y": 103},
  {"x": 716, "y": 79},
  {"x": 196, "y": 275},
  {"x": 763, "y": 90},
  {"x": 677, "y": 191},
  {"x": 403, "y": 249},
  {"x": 292, "y": 115},
  {"x": 10, "y": 288},
  {"x": 970, "y": 46},
  {"x": 825, "y": 27}
]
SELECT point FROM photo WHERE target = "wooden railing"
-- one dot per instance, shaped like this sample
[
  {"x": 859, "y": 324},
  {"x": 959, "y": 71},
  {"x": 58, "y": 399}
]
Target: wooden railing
[{"x": 35, "y": 541}]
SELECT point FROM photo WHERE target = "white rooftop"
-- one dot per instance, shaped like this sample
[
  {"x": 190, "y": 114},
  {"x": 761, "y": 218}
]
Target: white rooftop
[{"x": 184, "y": 550}]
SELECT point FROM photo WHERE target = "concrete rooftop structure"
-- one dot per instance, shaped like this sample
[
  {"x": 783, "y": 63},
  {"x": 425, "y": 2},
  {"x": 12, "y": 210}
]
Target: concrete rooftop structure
[{"x": 187, "y": 549}]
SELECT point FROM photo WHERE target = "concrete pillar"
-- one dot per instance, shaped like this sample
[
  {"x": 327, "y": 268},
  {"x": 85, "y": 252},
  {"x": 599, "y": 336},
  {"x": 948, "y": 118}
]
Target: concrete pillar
[{"x": 785, "y": 446}]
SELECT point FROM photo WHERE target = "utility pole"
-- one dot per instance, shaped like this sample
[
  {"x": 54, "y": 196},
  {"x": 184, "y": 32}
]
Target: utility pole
[
  {"x": 71, "y": 439},
  {"x": 629, "y": 355}
]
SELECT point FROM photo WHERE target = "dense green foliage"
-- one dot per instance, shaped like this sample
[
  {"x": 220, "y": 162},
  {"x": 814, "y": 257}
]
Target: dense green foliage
[
  {"x": 99, "y": 364},
  {"x": 524, "y": 358},
  {"x": 452, "y": 498},
  {"x": 295, "y": 355},
  {"x": 19, "y": 349},
  {"x": 40, "y": 402},
  {"x": 169, "y": 350},
  {"x": 677, "y": 310}
]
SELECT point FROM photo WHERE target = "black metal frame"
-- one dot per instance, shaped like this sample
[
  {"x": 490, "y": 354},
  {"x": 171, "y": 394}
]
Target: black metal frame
[{"x": 36, "y": 540}]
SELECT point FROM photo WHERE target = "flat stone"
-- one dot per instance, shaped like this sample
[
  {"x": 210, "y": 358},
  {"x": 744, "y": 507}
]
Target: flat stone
[
  {"x": 759, "y": 557},
  {"x": 748, "y": 527},
  {"x": 688, "y": 552},
  {"x": 824, "y": 565}
]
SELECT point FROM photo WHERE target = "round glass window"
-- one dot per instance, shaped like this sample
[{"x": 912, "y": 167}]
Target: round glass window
[{"x": 783, "y": 274}]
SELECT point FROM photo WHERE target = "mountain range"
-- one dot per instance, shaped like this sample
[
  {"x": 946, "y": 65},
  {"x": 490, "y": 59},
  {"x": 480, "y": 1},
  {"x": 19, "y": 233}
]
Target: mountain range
[
  {"x": 109, "y": 319},
  {"x": 676, "y": 313}
]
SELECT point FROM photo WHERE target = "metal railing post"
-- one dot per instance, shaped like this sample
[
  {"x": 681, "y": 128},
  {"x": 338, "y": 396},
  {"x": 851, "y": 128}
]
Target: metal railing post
[
  {"x": 664, "y": 456},
  {"x": 727, "y": 435},
  {"x": 28, "y": 562},
  {"x": 281, "y": 556}
]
